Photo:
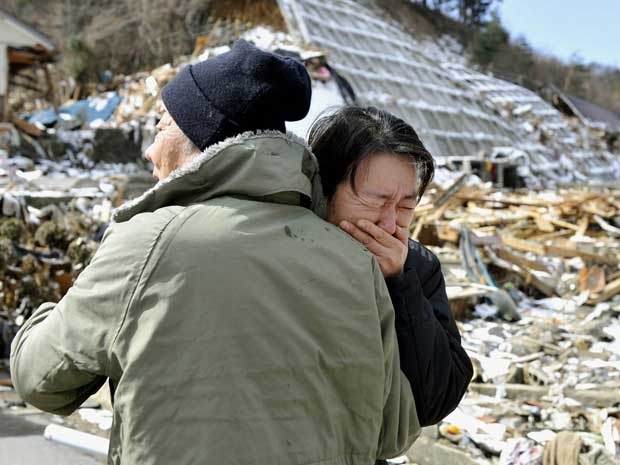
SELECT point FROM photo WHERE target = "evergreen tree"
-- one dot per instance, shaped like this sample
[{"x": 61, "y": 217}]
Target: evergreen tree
[{"x": 489, "y": 43}]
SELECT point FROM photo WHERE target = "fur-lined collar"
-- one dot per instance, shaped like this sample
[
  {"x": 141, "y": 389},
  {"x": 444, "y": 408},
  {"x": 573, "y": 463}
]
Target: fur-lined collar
[{"x": 250, "y": 164}]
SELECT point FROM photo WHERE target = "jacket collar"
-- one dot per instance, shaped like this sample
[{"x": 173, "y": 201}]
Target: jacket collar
[{"x": 253, "y": 164}]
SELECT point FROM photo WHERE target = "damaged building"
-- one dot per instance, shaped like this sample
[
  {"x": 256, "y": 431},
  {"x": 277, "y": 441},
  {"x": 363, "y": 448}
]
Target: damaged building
[
  {"x": 21, "y": 47},
  {"x": 464, "y": 117},
  {"x": 532, "y": 274}
]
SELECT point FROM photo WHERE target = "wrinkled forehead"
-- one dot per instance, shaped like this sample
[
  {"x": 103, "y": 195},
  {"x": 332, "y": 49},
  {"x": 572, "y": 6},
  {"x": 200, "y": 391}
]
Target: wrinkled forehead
[{"x": 383, "y": 169}]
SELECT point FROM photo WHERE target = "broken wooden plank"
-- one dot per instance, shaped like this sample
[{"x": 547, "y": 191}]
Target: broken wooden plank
[
  {"x": 520, "y": 261},
  {"x": 582, "y": 225},
  {"x": 610, "y": 290},
  {"x": 555, "y": 249},
  {"x": 523, "y": 245},
  {"x": 568, "y": 252},
  {"x": 553, "y": 235},
  {"x": 528, "y": 276},
  {"x": 564, "y": 224},
  {"x": 418, "y": 228},
  {"x": 605, "y": 226}
]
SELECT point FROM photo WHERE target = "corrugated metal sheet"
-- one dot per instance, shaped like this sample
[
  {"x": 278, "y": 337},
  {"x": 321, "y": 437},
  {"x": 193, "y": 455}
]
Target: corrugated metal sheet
[
  {"x": 457, "y": 111},
  {"x": 386, "y": 68}
]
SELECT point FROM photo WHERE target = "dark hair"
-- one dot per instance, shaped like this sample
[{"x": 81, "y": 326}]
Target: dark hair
[{"x": 341, "y": 140}]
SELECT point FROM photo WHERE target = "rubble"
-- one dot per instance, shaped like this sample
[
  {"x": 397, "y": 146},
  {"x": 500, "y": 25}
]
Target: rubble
[
  {"x": 532, "y": 271},
  {"x": 547, "y": 365},
  {"x": 554, "y": 243}
]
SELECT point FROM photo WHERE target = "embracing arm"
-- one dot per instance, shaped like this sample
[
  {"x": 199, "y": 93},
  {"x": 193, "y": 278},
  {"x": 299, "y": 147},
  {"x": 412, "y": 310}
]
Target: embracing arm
[
  {"x": 62, "y": 354},
  {"x": 431, "y": 354}
]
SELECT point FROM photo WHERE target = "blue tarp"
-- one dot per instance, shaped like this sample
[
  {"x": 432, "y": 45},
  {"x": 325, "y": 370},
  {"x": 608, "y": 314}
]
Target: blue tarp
[{"x": 85, "y": 111}]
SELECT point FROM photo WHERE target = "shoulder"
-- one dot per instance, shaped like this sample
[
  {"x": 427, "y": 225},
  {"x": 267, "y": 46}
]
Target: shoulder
[
  {"x": 342, "y": 244},
  {"x": 419, "y": 251},
  {"x": 421, "y": 258},
  {"x": 304, "y": 234},
  {"x": 139, "y": 233}
]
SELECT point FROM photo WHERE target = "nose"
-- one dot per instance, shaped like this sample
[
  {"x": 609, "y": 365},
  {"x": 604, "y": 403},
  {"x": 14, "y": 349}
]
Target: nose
[
  {"x": 147, "y": 153},
  {"x": 387, "y": 220}
]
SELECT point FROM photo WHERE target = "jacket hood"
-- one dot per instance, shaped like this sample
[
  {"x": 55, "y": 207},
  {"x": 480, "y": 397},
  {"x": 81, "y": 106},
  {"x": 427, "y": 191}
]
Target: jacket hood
[{"x": 251, "y": 164}]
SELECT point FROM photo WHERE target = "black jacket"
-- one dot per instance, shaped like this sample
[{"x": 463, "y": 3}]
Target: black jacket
[{"x": 431, "y": 355}]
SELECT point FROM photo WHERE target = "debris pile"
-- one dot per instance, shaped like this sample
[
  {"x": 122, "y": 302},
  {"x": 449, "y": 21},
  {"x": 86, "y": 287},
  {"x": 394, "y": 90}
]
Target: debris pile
[
  {"x": 552, "y": 377},
  {"x": 41, "y": 253},
  {"x": 553, "y": 149},
  {"x": 560, "y": 243},
  {"x": 534, "y": 278},
  {"x": 55, "y": 201},
  {"x": 532, "y": 275}
]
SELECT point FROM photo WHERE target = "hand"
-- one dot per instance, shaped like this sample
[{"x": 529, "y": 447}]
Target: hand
[{"x": 389, "y": 250}]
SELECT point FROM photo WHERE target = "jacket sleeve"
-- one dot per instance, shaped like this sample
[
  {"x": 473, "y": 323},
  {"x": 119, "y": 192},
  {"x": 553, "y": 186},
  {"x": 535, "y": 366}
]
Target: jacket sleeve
[
  {"x": 61, "y": 355},
  {"x": 400, "y": 426},
  {"x": 436, "y": 365}
]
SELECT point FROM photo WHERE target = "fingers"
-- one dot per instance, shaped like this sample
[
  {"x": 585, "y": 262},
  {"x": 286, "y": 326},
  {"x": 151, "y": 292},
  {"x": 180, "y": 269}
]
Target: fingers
[
  {"x": 373, "y": 230},
  {"x": 381, "y": 235},
  {"x": 361, "y": 236},
  {"x": 402, "y": 234},
  {"x": 390, "y": 251}
]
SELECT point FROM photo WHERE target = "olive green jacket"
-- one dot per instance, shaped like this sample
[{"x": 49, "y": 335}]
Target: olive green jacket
[{"x": 234, "y": 325}]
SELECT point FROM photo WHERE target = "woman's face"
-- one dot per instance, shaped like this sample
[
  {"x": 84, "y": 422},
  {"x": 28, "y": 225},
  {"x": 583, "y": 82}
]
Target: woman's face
[{"x": 386, "y": 187}]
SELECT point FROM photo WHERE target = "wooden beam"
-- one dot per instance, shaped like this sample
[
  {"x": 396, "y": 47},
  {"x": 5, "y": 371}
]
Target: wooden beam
[
  {"x": 553, "y": 235},
  {"x": 523, "y": 245},
  {"x": 544, "y": 222},
  {"x": 418, "y": 228},
  {"x": 555, "y": 250},
  {"x": 25, "y": 57},
  {"x": 563, "y": 251},
  {"x": 582, "y": 225},
  {"x": 520, "y": 261}
]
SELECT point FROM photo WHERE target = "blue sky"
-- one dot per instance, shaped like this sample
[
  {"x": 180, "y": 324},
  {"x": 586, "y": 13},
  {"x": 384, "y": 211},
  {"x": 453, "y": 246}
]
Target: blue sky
[{"x": 563, "y": 27}]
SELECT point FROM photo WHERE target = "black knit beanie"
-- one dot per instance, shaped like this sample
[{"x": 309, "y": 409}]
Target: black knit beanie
[{"x": 245, "y": 89}]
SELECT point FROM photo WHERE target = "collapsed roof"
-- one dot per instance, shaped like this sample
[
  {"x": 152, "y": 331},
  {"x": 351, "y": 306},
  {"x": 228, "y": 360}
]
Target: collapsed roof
[
  {"x": 386, "y": 68},
  {"x": 589, "y": 113},
  {"x": 457, "y": 111},
  {"x": 25, "y": 44},
  {"x": 21, "y": 46}
]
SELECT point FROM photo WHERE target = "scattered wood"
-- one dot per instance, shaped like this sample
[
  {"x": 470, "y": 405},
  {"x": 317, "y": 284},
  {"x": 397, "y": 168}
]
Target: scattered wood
[{"x": 530, "y": 240}]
